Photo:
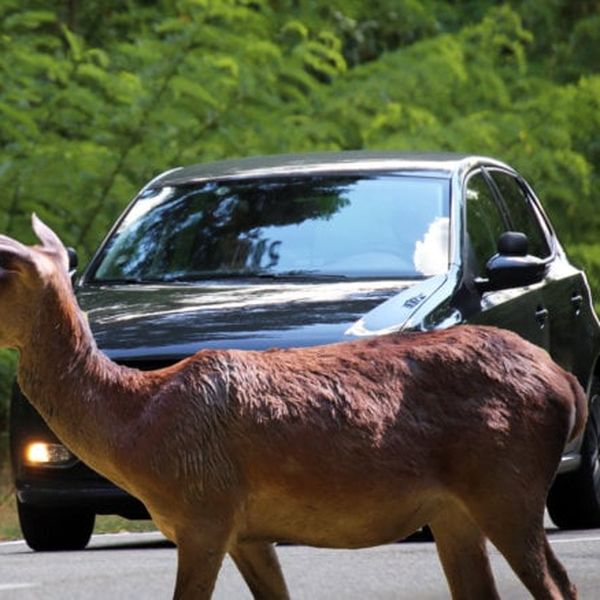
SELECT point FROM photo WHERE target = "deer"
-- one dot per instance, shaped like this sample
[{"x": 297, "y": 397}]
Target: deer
[{"x": 348, "y": 445}]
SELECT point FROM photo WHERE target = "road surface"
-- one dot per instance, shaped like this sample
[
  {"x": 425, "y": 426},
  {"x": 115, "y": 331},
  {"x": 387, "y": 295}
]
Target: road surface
[{"x": 126, "y": 566}]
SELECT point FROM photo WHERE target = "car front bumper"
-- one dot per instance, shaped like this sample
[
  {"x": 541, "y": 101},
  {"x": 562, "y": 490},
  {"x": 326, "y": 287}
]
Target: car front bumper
[{"x": 100, "y": 497}]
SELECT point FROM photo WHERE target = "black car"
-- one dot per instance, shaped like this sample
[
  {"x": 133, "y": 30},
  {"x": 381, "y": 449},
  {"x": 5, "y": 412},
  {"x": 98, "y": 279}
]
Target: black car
[{"x": 312, "y": 249}]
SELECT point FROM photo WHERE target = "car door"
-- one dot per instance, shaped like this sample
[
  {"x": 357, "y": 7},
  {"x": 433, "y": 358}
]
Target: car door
[
  {"x": 520, "y": 309},
  {"x": 565, "y": 294}
]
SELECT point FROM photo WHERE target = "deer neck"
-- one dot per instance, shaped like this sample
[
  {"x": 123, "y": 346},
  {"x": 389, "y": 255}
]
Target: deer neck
[{"x": 86, "y": 399}]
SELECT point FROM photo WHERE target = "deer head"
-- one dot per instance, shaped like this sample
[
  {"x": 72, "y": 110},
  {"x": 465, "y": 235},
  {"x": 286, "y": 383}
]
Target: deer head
[{"x": 26, "y": 272}]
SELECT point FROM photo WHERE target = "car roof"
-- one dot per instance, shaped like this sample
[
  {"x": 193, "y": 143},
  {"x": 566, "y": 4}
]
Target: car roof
[{"x": 432, "y": 164}]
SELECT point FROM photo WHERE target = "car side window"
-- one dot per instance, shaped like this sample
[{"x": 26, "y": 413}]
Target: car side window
[
  {"x": 522, "y": 215},
  {"x": 484, "y": 224}
]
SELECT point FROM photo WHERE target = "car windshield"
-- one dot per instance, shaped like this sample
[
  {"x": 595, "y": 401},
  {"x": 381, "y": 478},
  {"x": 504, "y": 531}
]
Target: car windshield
[{"x": 352, "y": 226}]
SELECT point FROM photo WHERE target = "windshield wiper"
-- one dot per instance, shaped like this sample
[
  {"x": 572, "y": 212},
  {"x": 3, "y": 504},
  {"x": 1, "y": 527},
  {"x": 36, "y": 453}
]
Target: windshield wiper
[
  {"x": 212, "y": 276},
  {"x": 216, "y": 276},
  {"x": 304, "y": 275},
  {"x": 284, "y": 275},
  {"x": 121, "y": 280}
]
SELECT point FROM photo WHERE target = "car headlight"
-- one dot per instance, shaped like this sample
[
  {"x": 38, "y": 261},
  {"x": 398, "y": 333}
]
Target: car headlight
[{"x": 47, "y": 454}]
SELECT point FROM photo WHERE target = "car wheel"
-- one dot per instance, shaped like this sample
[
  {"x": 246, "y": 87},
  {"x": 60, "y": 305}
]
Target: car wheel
[
  {"x": 47, "y": 529},
  {"x": 574, "y": 499}
]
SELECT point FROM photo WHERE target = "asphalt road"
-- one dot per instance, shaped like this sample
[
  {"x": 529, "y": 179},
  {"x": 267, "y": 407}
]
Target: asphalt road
[{"x": 131, "y": 566}]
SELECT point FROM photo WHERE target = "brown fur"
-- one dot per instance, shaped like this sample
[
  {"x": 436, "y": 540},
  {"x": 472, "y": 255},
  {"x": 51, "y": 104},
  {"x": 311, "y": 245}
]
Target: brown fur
[{"x": 346, "y": 446}]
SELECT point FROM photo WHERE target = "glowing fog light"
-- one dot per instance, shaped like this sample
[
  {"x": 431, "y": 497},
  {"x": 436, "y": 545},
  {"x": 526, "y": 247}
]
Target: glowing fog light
[{"x": 42, "y": 453}]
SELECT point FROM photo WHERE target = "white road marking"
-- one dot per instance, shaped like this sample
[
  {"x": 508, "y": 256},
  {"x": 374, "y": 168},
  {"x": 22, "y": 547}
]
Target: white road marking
[
  {"x": 575, "y": 540},
  {"x": 12, "y": 543},
  {"x": 100, "y": 536},
  {"x": 5, "y": 587}
]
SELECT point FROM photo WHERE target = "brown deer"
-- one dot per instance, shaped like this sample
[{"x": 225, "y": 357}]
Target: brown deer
[{"x": 345, "y": 446}]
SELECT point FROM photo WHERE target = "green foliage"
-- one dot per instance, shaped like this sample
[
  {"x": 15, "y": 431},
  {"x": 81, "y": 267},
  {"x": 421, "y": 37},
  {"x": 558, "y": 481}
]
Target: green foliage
[
  {"x": 8, "y": 361},
  {"x": 587, "y": 256},
  {"x": 98, "y": 97}
]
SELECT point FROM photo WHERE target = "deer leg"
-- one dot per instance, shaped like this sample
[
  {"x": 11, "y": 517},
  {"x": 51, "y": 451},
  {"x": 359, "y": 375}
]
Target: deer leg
[
  {"x": 463, "y": 554},
  {"x": 517, "y": 530},
  {"x": 559, "y": 573},
  {"x": 200, "y": 552},
  {"x": 260, "y": 568},
  {"x": 525, "y": 551}
]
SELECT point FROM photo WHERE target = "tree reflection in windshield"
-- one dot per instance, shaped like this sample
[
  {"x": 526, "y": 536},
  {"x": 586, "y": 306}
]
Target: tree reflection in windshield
[{"x": 352, "y": 226}]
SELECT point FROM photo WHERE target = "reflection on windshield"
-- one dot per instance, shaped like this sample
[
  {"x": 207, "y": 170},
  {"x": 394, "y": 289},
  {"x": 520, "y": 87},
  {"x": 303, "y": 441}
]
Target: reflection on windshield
[
  {"x": 311, "y": 226},
  {"x": 431, "y": 253}
]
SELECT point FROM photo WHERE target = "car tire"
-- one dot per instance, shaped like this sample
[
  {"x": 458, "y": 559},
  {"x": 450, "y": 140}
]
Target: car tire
[
  {"x": 574, "y": 499},
  {"x": 50, "y": 529}
]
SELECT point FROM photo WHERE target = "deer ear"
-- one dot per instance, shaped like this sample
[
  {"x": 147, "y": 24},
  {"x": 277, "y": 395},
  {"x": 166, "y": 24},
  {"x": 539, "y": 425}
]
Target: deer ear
[{"x": 50, "y": 241}]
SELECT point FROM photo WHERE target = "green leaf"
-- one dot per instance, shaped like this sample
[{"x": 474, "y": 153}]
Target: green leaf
[{"x": 31, "y": 19}]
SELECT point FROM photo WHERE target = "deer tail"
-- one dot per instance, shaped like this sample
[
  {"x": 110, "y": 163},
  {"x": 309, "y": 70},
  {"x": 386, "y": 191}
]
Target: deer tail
[{"x": 580, "y": 409}]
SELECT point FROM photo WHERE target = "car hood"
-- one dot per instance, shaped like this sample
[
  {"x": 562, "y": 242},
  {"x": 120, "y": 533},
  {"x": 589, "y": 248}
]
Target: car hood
[{"x": 175, "y": 320}]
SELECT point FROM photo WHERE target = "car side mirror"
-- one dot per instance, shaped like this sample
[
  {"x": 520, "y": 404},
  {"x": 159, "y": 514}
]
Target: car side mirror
[
  {"x": 512, "y": 266},
  {"x": 73, "y": 262},
  {"x": 73, "y": 258}
]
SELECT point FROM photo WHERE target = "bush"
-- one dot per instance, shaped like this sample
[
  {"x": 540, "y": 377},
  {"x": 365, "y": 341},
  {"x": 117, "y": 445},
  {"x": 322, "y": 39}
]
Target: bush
[{"x": 8, "y": 362}]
